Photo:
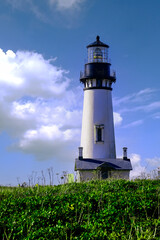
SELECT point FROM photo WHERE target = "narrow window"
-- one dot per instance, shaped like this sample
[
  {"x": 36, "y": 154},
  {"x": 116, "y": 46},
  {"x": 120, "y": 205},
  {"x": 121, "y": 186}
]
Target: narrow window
[{"x": 99, "y": 133}]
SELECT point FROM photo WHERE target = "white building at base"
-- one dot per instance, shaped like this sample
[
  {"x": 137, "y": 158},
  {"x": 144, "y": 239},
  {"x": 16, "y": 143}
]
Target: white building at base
[{"x": 97, "y": 153}]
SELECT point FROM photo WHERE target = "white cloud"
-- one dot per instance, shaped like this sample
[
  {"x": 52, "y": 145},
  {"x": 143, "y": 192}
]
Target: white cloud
[
  {"x": 132, "y": 106},
  {"x": 117, "y": 118},
  {"x": 138, "y": 169},
  {"x": 38, "y": 109},
  {"x": 65, "y": 13},
  {"x": 66, "y": 4},
  {"x": 29, "y": 73},
  {"x": 60, "y": 4},
  {"x": 145, "y": 91},
  {"x": 139, "y": 97},
  {"x": 134, "y": 124},
  {"x": 156, "y": 115},
  {"x": 50, "y": 141},
  {"x": 51, "y": 7},
  {"x": 148, "y": 107},
  {"x": 148, "y": 171},
  {"x": 36, "y": 106},
  {"x": 153, "y": 162},
  {"x": 140, "y": 101},
  {"x": 152, "y": 106}
]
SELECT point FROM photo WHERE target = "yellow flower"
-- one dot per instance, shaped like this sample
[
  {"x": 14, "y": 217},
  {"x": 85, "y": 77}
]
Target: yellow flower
[{"x": 71, "y": 207}]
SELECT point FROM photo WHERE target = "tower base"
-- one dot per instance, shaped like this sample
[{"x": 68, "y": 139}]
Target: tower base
[{"x": 92, "y": 169}]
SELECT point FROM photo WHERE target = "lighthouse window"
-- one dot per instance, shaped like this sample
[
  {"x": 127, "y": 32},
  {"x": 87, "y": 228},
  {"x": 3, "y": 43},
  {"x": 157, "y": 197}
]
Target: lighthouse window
[
  {"x": 99, "y": 135},
  {"x": 98, "y": 55}
]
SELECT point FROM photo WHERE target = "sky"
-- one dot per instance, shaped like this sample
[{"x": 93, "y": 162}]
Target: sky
[{"x": 42, "y": 51}]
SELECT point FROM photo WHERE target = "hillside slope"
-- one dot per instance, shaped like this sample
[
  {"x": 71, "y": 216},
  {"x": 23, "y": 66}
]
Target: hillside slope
[{"x": 111, "y": 209}]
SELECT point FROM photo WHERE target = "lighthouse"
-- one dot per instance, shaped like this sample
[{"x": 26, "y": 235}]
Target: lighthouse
[{"x": 97, "y": 151}]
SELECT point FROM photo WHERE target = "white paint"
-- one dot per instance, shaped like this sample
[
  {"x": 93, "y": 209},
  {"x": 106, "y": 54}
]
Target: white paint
[
  {"x": 125, "y": 152},
  {"x": 97, "y": 109},
  {"x": 104, "y": 83},
  {"x": 94, "y": 82}
]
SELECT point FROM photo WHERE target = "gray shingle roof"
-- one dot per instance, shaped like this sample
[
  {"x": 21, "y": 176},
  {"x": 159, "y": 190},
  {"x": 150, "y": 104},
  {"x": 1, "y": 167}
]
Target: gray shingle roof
[{"x": 92, "y": 164}]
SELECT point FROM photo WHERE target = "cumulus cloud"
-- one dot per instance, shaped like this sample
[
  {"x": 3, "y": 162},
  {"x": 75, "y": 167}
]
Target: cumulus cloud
[
  {"x": 49, "y": 142},
  {"x": 117, "y": 118},
  {"x": 147, "y": 171},
  {"x": 153, "y": 162},
  {"x": 40, "y": 111},
  {"x": 138, "y": 169},
  {"x": 28, "y": 73},
  {"x": 36, "y": 106}
]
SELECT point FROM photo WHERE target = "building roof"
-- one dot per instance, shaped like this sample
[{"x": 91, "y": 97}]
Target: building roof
[
  {"x": 93, "y": 164},
  {"x": 98, "y": 43}
]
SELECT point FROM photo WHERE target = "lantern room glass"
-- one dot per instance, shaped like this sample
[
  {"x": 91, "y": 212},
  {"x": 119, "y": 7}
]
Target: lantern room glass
[{"x": 97, "y": 54}]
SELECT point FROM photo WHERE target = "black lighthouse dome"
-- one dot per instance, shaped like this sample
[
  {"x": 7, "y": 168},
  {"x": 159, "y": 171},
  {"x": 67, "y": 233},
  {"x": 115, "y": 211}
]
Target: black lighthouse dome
[
  {"x": 97, "y": 43},
  {"x": 97, "y": 69},
  {"x": 97, "y": 51}
]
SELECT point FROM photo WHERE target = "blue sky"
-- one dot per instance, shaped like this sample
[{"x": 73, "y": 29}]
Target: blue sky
[{"x": 43, "y": 48}]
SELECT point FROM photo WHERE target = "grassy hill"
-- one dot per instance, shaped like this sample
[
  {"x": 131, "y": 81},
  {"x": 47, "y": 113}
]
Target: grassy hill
[{"x": 111, "y": 209}]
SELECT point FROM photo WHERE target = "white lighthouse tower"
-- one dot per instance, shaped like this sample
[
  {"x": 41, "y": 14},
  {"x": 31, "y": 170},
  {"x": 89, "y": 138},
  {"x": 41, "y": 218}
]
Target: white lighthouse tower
[
  {"x": 97, "y": 138},
  {"x": 97, "y": 153}
]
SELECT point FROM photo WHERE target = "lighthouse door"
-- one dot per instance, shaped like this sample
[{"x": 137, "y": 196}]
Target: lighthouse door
[{"x": 104, "y": 173}]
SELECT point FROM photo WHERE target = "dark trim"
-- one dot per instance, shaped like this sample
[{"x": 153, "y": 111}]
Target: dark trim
[
  {"x": 98, "y": 70},
  {"x": 98, "y": 43},
  {"x": 90, "y": 88},
  {"x": 99, "y": 169},
  {"x": 83, "y": 170},
  {"x": 95, "y": 63},
  {"x": 126, "y": 159}
]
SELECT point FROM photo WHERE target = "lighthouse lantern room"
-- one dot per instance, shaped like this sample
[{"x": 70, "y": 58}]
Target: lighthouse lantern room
[{"x": 97, "y": 153}]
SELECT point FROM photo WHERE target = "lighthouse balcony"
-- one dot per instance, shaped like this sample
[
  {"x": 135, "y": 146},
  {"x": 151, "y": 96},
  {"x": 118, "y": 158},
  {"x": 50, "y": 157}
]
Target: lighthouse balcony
[{"x": 97, "y": 71}]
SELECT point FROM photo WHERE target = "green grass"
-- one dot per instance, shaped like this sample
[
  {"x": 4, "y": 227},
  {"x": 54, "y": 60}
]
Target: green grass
[{"x": 112, "y": 209}]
